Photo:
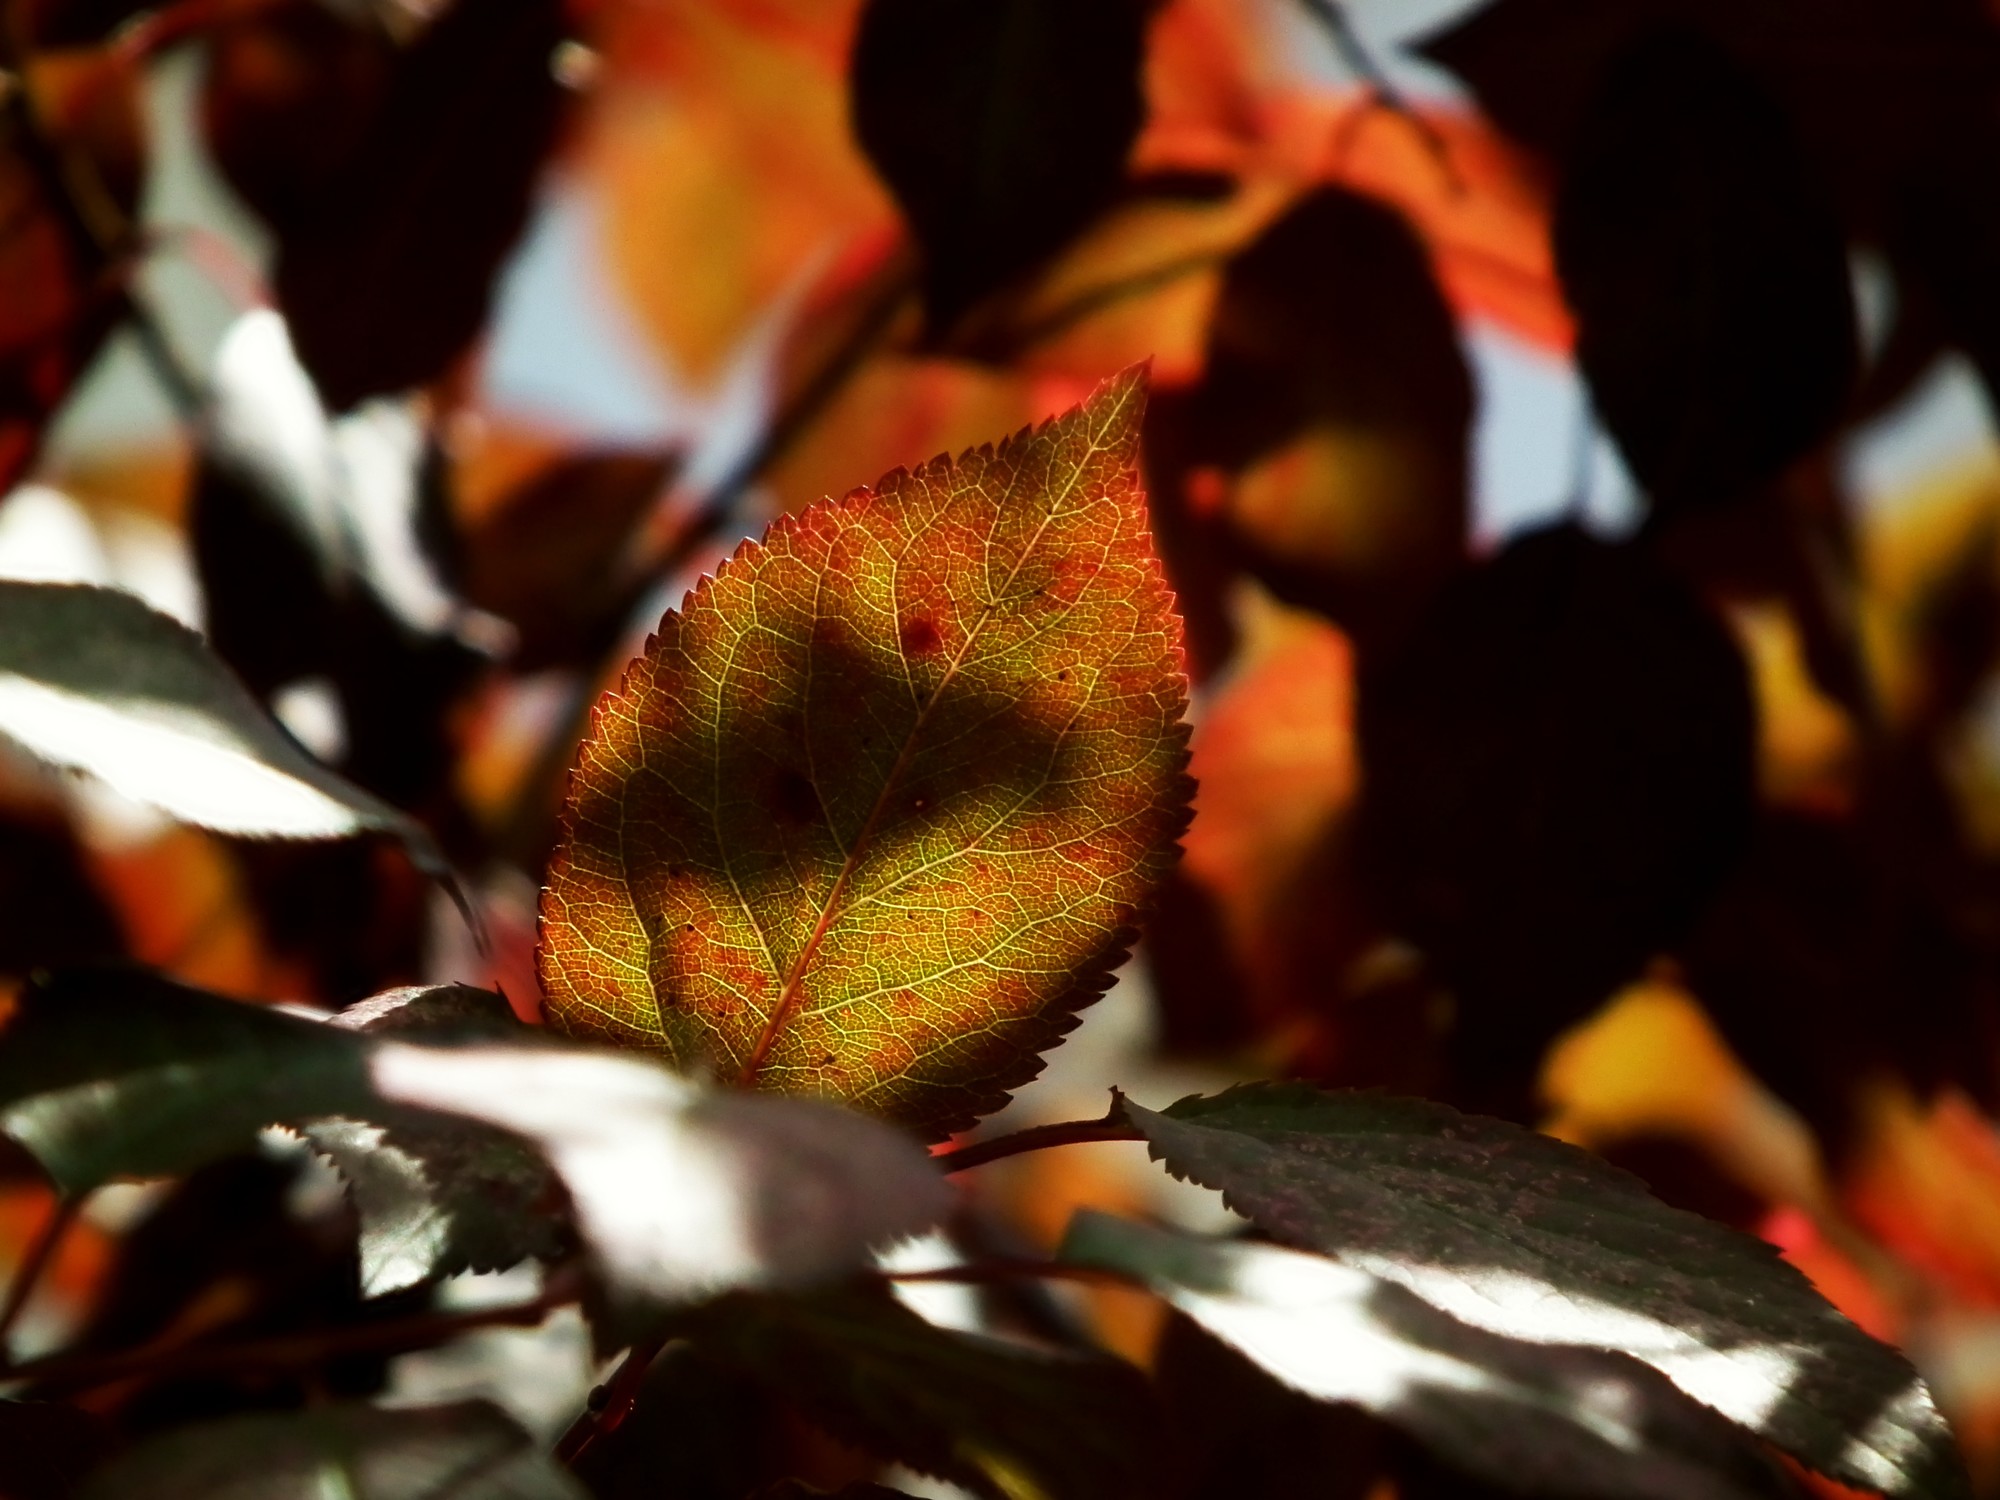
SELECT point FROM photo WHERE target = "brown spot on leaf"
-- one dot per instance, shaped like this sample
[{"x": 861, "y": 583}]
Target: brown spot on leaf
[{"x": 920, "y": 637}]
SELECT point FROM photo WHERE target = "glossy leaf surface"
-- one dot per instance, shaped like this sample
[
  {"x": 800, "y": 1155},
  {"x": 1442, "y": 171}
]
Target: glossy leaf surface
[
  {"x": 872, "y": 816},
  {"x": 1527, "y": 1237},
  {"x": 1546, "y": 1420}
]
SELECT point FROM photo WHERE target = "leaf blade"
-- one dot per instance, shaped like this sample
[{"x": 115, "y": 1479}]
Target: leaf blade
[
  {"x": 872, "y": 816},
  {"x": 1531, "y": 1238}
]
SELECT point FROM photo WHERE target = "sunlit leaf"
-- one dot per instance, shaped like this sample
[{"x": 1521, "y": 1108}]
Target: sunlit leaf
[
  {"x": 435, "y": 1195},
  {"x": 997, "y": 1418},
  {"x": 873, "y": 815},
  {"x": 1524, "y": 1236},
  {"x": 1002, "y": 126},
  {"x": 677, "y": 1191},
  {"x": 1545, "y": 1419},
  {"x": 92, "y": 680},
  {"x": 471, "y": 1451}
]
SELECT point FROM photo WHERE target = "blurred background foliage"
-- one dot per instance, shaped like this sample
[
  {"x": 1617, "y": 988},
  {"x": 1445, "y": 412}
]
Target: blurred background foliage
[{"x": 1572, "y": 445}]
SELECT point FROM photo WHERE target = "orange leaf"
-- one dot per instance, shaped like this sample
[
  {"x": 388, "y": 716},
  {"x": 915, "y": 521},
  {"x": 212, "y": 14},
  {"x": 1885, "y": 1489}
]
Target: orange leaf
[{"x": 871, "y": 817}]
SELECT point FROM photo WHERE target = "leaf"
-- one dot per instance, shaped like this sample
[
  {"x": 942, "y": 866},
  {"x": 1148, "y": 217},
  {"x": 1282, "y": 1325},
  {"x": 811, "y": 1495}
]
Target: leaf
[
  {"x": 679, "y": 1193},
  {"x": 872, "y": 817},
  {"x": 470, "y": 1451},
  {"x": 1708, "y": 272},
  {"x": 1001, "y": 1419},
  {"x": 116, "y": 1073},
  {"x": 437, "y": 1196},
  {"x": 1002, "y": 127},
  {"x": 1530, "y": 1238},
  {"x": 1557, "y": 772},
  {"x": 386, "y": 274},
  {"x": 93, "y": 680},
  {"x": 1546, "y": 1420}
]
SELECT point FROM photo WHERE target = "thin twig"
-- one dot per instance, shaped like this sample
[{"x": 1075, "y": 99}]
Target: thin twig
[
  {"x": 76, "y": 1371},
  {"x": 35, "y": 1260},
  {"x": 1113, "y": 1127},
  {"x": 612, "y": 1402},
  {"x": 1334, "y": 21}
]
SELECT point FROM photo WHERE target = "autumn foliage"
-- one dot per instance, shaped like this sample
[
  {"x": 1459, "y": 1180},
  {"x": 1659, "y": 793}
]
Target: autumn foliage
[{"x": 766, "y": 748}]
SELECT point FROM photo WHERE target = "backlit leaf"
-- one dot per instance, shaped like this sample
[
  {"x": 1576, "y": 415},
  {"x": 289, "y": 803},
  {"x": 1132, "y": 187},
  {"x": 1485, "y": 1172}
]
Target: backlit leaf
[
  {"x": 1530, "y": 1238},
  {"x": 872, "y": 816},
  {"x": 998, "y": 1418},
  {"x": 466, "y": 1452},
  {"x": 1541, "y": 1419}
]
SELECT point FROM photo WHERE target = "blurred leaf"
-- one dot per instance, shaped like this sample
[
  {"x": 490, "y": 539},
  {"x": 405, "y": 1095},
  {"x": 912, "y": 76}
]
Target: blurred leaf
[
  {"x": 438, "y": 1196},
  {"x": 1002, "y": 127},
  {"x": 92, "y": 680},
  {"x": 1545, "y": 1419},
  {"x": 950, "y": 712},
  {"x": 999, "y": 1418},
  {"x": 55, "y": 914},
  {"x": 557, "y": 558},
  {"x": 1338, "y": 405},
  {"x": 1708, "y": 274},
  {"x": 680, "y": 1193},
  {"x": 114, "y": 1073},
  {"x": 1529, "y": 1238},
  {"x": 793, "y": 1489},
  {"x": 470, "y": 1451},
  {"x": 46, "y": 1448},
  {"x": 1559, "y": 770},
  {"x": 386, "y": 266}
]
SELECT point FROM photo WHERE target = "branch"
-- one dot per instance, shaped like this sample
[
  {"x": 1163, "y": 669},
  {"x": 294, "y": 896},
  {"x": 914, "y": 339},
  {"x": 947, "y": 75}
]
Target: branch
[
  {"x": 1006, "y": 1269},
  {"x": 1113, "y": 1127},
  {"x": 78, "y": 1371},
  {"x": 612, "y": 1402}
]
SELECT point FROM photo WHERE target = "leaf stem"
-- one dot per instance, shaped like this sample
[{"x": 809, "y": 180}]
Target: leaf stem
[
  {"x": 34, "y": 1261},
  {"x": 1009, "y": 1268},
  {"x": 1113, "y": 1127},
  {"x": 612, "y": 1402},
  {"x": 77, "y": 1371}
]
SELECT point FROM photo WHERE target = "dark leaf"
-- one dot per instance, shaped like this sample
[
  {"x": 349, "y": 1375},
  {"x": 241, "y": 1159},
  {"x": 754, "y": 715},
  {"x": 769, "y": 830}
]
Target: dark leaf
[
  {"x": 1336, "y": 401},
  {"x": 93, "y": 680},
  {"x": 435, "y": 1195},
  {"x": 1529, "y": 1238},
  {"x": 466, "y": 1452},
  {"x": 55, "y": 915},
  {"x": 1001, "y": 126},
  {"x": 116, "y": 1073},
  {"x": 680, "y": 1193},
  {"x": 1548, "y": 1419},
  {"x": 1558, "y": 772},
  {"x": 386, "y": 273},
  {"x": 556, "y": 558},
  {"x": 1708, "y": 273},
  {"x": 995, "y": 1417}
]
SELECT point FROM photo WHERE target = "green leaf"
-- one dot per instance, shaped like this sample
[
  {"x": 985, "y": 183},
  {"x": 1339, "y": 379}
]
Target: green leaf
[
  {"x": 873, "y": 814},
  {"x": 1527, "y": 1237},
  {"x": 469, "y": 1451},
  {"x": 1003, "y": 1420},
  {"x": 93, "y": 680},
  {"x": 436, "y": 1194},
  {"x": 1547, "y": 1420}
]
